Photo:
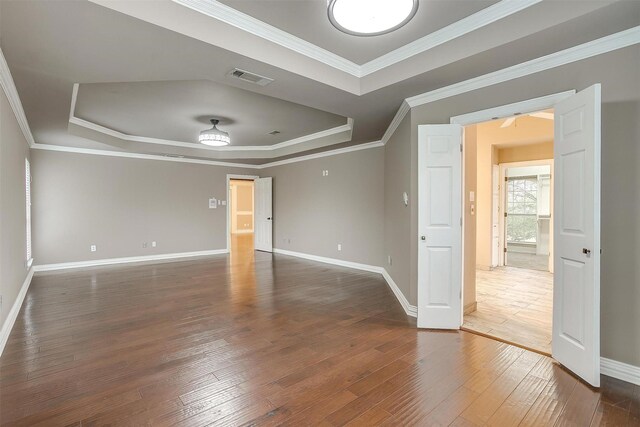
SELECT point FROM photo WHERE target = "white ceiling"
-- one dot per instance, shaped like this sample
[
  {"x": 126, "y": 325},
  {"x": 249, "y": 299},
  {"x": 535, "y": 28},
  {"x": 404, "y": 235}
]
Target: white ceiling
[
  {"x": 307, "y": 19},
  {"x": 152, "y": 69}
]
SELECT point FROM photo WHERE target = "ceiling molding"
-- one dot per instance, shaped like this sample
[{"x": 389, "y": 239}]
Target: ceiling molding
[
  {"x": 320, "y": 137},
  {"x": 10, "y": 90},
  {"x": 337, "y": 151},
  {"x": 459, "y": 28},
  {"x": 242, "y": 21},
  {"x": 124, "y": 154},
  {"x": 397, "y": 119},
  {"x": 577, "y": 53},
  {"x": 254, "y": 26}
]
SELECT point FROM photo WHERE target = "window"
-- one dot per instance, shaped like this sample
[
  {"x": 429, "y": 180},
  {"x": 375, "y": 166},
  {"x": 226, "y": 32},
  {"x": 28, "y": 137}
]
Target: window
[
  {"x": 522, "y": 210},
  {"x": 28, "y": 198}
]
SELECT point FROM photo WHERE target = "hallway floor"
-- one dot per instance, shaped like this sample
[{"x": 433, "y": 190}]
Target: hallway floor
[{"x": 514, "y": 305}]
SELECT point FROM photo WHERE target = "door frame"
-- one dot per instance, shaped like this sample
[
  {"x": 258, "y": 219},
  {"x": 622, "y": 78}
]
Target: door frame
[
  {"x": 495, "y": 113},
  {"x": 230, "y": 177},
  {"x": 503, "y": 205}
]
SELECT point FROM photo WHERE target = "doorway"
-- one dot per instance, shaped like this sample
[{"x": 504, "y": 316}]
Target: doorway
[
  {"x": 508, "y": 286},
  {"x": 241, "y": 216},
  {"x": 443, "y": 202}
]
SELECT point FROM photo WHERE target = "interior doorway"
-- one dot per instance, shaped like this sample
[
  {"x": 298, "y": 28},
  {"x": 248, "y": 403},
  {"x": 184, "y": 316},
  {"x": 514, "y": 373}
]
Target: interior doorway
[
  {"x": 241, "y": 216},
  {"x": 447, "y": 213},
  {"x": 509, "y": 288}
]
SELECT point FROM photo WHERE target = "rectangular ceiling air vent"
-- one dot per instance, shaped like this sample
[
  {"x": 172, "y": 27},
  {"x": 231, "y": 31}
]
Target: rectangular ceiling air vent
[{"x": 246, "y": 76}]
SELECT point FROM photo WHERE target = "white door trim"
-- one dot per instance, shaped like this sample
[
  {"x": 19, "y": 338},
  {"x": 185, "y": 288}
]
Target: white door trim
[
  {"x": 503, "y": 204},
  {"x": 231, "y": 176},
  {"x": 527, "y": 106}
]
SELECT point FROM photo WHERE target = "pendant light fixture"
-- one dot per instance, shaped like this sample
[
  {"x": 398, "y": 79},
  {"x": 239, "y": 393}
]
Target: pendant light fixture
[
  {"x": 370, "y": 17},
  {"x": 214, "y": 136}
]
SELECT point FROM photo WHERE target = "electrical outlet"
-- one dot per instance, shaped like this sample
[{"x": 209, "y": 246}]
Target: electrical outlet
[
  {"x": 339, "y": 246},
  {"x": 389, "y": 260},
  {"x": 154, "y": 244},
  {"x": 94, "y": 248},
  {"x": 144, "y": 245}
]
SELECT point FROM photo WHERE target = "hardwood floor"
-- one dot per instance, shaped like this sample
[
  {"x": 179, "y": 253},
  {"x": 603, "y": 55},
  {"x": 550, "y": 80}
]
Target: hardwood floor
[
  {"x": 269, "y": 340},
  {"x": 515, "y": 305}
]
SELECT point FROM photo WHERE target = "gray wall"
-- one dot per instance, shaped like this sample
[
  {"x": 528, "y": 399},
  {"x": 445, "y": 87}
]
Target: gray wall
[
  {"x": 397, "y": 216},
  {"x": 120, "y": 203},
  {"x": 618, "y": 72},
  {"x": 314, "y": 213},
  {"x": 13, "y": 151}
]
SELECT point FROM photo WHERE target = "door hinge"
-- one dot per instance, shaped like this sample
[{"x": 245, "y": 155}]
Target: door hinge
[
  {"x": 505, "y": 250},
  {"x": 461, "y": 148},
  {"x": 505, "y": 214},
  {"x": 460, "y": 221}
]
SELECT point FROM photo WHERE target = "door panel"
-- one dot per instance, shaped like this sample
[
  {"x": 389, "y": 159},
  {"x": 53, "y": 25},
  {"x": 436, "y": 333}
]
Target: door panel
[
  {"x": 440, "y": 210},
  {"x": 263, "y": 234},
  {"x": 576, "y": 303}
]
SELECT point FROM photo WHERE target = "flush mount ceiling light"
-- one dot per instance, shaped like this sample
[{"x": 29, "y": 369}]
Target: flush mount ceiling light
[
  {"x": 370, "y": 17},
  {"x": 214, "y": 136}
]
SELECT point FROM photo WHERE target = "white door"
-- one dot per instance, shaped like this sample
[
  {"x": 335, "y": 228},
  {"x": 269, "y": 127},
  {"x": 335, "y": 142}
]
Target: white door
[
  {"x": 263, "y": 220},
  {"x": 440, "y": 226},
  {"x": 576, "y": 283},
  {"x": 495, "y": 210}
]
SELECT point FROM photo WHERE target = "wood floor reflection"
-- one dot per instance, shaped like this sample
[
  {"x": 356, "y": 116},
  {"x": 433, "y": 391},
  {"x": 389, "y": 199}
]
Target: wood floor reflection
[{"x": 269, "y": 340}]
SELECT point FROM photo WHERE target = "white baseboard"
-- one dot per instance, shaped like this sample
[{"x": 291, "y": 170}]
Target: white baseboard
[
  {"x": 15, "y": 309},
  {"x": 410, "y": 310},
  {"x": 619, "y": 370},
  {"x": 127, "y": 260}
]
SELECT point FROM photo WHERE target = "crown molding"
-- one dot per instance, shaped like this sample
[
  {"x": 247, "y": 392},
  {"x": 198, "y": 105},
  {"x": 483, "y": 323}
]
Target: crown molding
[
  {"x": 129, "y": 155},
  {"x": 233, "y": 17},
  {"x": 397, "y": 119},
  {"x": 459, "y": 28},
  {"x": 126, "y": 154},
  {"x": 337, "y": 151},
  {"x": 577, "y": 53},
  {"x": 271, "y": 149},
  {"x": 10, "y": 90}
]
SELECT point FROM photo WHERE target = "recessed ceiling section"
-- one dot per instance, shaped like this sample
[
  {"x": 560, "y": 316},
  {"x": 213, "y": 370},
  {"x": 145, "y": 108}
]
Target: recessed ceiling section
[
  {"x": 432, "y": 15},
  {"x": 180, "y": 110}
]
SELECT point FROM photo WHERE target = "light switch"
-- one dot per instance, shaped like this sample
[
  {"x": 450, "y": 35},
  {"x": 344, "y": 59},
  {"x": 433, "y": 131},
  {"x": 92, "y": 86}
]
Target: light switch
[
  {"x": 472, "y": 196},
  {"x": 213, "y": 203}
]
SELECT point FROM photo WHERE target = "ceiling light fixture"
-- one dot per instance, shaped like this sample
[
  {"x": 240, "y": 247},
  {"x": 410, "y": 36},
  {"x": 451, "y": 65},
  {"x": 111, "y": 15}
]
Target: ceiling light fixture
[
  {"x": 370, "y": 17},
  {"x": 214, "y": 136}
]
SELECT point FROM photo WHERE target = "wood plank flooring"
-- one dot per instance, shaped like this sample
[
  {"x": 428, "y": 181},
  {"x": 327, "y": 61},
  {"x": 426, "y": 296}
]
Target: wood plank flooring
[
  {"x": 515, "y": 305},
  {"x": 269, "y": 340}
]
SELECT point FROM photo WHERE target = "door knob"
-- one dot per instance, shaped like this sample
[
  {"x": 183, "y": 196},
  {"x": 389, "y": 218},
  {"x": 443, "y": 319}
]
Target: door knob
[
  {"x": 269, "y": 219},
  {"x": 423, "y": 237},
  {"x": 586, "y": 251}
]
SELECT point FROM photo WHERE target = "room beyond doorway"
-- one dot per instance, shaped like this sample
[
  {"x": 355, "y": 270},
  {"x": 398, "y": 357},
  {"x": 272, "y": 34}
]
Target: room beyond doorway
[
  {"x": 508, "y": 281},
  {"x": 241, "y": 215}
]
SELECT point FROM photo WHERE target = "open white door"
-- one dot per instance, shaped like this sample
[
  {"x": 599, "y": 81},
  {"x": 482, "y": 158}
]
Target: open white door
[
  {"x": 263, "y": 215},
  {"x": 576, "y": 283},
  {"x": 440, "y": 226}
]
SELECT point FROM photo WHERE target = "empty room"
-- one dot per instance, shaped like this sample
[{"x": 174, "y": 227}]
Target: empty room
[{"x": 312, "y": 212}]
